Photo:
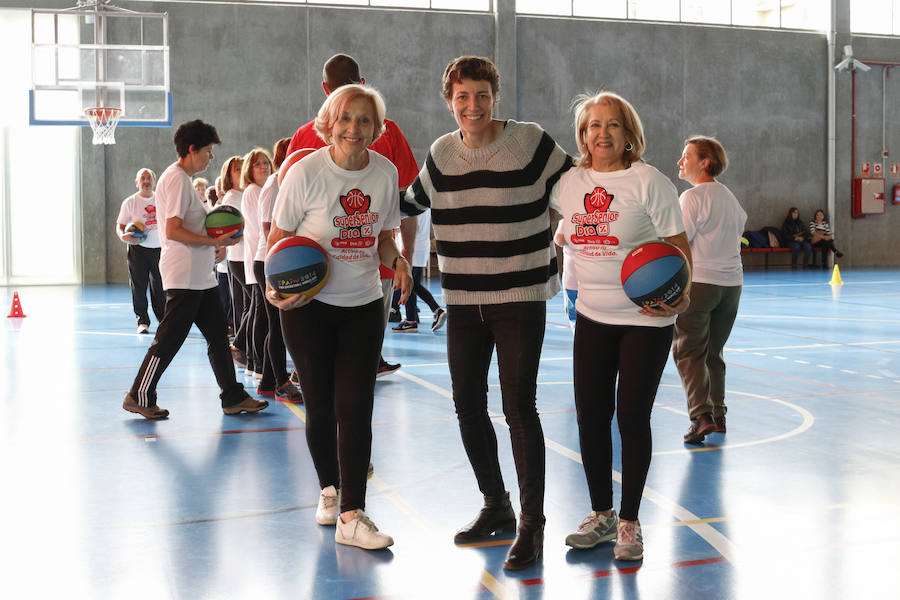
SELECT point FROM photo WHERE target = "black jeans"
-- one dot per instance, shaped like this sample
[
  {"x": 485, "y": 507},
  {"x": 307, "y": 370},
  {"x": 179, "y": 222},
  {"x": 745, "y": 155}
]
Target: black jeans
[
  {"x": 517, "y": 331},
  {"x": 636, "y": 356},
  {"x": 336, "y": 350},
  {"x": 183, "y": 309},
  {"x": 143, "y": 271},
  {"x": 274, "y": 370},
  {"x": 240, "y": 300}
]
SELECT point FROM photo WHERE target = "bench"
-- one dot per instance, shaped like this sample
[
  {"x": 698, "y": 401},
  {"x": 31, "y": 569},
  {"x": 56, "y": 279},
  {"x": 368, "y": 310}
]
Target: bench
[{"x": 767, "y": 251}]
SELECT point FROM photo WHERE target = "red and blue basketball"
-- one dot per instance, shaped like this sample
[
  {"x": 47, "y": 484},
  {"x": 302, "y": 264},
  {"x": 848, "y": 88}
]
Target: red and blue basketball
[
  {"x": 656, "y": 272},
  {"x": 136, "y": 230},
  {"x": 292, "y": 159},
  {"x": 224, "y": 219},
  {"x": 297, "y": 265}
]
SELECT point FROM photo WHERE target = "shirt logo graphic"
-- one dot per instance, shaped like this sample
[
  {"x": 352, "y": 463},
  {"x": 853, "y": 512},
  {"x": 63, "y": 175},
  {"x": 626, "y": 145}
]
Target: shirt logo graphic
[
  {"x": 592, "y": 226},
  {"x": 149, "y": 216},
  {"x": 356, "y": 228}
]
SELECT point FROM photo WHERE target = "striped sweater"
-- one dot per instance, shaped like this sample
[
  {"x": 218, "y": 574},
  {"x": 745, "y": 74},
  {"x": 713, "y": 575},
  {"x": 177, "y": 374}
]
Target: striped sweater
[{"x": 490, "y": 212}]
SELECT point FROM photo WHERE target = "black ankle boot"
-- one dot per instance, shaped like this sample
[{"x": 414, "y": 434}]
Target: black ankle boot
[
  {"x": 497, "y": 515},
  {"x": 527, "y": 548}
]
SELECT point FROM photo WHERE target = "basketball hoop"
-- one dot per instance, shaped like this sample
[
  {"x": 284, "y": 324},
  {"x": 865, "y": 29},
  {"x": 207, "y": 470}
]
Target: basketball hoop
[{"x": 103, "y": 120}]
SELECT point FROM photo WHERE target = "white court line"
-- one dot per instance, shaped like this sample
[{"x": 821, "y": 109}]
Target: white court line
[
  {"x": 818, "y": 319},
  {"x": 813, "y": 284},
  {"x": 713, "y": 537},
  {"x": 125, "y": 334},
  {"x": 808, "y": 346}
]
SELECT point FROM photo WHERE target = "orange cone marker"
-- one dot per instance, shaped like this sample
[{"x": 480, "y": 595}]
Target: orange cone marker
[{"x": 16, "y": 309}]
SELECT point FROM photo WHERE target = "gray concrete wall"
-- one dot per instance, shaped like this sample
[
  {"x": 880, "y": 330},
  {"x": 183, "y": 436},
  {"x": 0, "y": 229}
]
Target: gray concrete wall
[
  {"x": 871, "y": 240},
  {"x": 254, "y": 71}
]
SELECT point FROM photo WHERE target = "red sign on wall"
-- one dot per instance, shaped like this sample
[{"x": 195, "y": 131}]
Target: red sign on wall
[
  {"x": 895, "y": 169},
  {"x": 876, "y": 170},
  {"x": 865, "y": 169}
]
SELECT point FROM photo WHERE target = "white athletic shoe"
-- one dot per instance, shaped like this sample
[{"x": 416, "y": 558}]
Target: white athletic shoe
[
  {"x": 362, "y": 533},
  {"x": 329, "y": 506},
  {"x": 143, "y": 328}
]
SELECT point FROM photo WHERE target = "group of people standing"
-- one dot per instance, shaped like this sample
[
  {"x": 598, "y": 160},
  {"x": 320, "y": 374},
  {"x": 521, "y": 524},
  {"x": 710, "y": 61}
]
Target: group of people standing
[{"x": 491, "y": 186}]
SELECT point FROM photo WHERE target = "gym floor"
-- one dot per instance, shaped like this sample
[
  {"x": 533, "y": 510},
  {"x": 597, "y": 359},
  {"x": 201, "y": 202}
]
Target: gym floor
[{"x": 799, "y": 499}]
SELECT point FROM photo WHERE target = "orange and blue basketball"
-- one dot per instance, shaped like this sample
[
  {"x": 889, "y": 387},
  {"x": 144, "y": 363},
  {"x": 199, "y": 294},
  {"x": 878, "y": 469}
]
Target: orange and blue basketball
[
  {"x": 136, "y": 230},
  {"x": 656, "y": 272},
  {"x": 224, "y": 219},
  {"x": 297, "y": 265}
]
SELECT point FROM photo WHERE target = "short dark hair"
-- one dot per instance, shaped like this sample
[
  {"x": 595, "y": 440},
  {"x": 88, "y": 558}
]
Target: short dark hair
[
  {"x": 340, "y": 69},
  {"x": 476, "y": 68},
  {"x": 194, "y": 133}
]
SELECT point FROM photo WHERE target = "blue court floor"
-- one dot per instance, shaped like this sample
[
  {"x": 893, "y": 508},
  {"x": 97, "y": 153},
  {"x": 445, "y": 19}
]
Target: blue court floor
[{"x": 800, "y": 499}]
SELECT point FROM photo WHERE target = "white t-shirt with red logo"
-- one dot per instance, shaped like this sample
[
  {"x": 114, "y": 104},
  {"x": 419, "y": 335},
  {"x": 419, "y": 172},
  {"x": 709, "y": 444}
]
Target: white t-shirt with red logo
[
  {"x": 235, "y": 253},
  {"x": 605, "y": 216},
  {"x": 183, "y": 266},
  {"x": 140, "y": 209},
  {"x": 250, "y": 210},
  {"x": 344, "y": 211}
]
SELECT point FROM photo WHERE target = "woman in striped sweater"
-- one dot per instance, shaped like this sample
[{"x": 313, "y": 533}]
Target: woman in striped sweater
[{"x": 487, "y": 185}]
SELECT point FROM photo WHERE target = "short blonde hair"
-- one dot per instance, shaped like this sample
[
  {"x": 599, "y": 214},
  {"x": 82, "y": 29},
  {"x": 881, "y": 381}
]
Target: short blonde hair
[
  {"x": 247, "y": 168},
  {"x": 200, "y": 181},
  {"x": 634, "y": 130},
  {"x": 711, "y": 149},
  {"x": 336, "y": 103},
  {"x": 227, "y": 182}
]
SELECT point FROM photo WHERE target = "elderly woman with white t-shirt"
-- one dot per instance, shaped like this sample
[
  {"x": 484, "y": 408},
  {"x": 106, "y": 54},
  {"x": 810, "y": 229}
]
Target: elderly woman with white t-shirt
[
  {"x": 256, "y": 169},
  {"x": 610, "y": 203},
  {"x": 714, "y": 220},
  {"x": 240, "y": 295},
  {"x": 346, "y": 197}
]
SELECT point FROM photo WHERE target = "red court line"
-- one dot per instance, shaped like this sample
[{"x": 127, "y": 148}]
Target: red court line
[
  {"x": 631, "y": 570},
  {"x": 141, "y": 436},
  {"x": 595, "y": 574}
]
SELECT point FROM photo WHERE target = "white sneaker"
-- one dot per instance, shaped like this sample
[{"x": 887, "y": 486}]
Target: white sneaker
[
  {"x": 362, "y": 533},
  {"x": 329, "y": 506},
  {"x": 143, "y": 328},
  {"x": 629, "y": 541}
]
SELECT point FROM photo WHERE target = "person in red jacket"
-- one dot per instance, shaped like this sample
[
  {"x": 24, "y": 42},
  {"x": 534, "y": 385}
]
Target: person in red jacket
[{"x": 340, "y": 70}]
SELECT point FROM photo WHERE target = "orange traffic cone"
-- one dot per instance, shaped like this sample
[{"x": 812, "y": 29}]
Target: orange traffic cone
[{"x": 16, "y": 310}]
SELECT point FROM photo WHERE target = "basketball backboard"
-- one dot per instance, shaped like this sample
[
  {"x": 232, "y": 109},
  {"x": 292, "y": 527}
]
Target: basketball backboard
[{"x": 99, "y": 55}]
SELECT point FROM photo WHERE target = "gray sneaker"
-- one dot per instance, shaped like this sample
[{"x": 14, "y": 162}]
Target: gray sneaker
[
  {"x": 630, "y": 541},
  {"x": 595, "y": 529}
]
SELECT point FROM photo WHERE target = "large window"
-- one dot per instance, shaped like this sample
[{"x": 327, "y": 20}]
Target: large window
[
  {"x": 794, "y": 14},
  {"x": 875, "y": 16},
  {"x": 38, "y": 176},
  {"x": 474, "y": 5}
]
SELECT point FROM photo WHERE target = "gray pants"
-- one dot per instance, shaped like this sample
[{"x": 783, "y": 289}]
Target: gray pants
[{"x": 700, "y": 336}]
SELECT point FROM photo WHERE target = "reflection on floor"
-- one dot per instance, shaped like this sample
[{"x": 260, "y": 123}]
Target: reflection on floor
[{"x": 799, "y": 499}]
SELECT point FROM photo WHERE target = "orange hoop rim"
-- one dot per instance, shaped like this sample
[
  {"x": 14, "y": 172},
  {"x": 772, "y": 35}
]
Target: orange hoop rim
[{"x": 102, "y": 111}]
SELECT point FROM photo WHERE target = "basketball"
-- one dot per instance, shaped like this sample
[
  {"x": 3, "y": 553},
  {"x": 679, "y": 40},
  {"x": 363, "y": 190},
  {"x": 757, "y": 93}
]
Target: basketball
[
  {"x": 656, "y": 271},
  {"x": 136, "y": 230},
  {"x": 224, "y": 219},
  {"x": 292, "y": 160},
  {"x": 297, "y": 265}
]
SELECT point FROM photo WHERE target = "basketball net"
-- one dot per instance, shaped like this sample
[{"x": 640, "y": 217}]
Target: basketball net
[{"x": 103, "y": 122}]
